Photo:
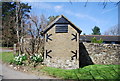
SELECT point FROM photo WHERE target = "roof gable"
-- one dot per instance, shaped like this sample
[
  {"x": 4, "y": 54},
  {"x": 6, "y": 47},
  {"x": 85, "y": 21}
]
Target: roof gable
[{"x": 61, "y": 20}]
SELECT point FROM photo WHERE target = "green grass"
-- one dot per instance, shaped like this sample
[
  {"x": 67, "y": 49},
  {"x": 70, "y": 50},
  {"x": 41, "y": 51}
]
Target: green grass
[
  {"x": 6, "y": 57},
  {"x": 88, "y": 72}
]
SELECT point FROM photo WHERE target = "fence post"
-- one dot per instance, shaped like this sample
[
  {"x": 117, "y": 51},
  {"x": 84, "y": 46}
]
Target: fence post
[{"x": 15, "y": 49}]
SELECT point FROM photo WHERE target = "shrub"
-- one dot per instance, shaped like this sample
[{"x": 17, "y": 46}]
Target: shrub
[
  {"x": 94, "y": 40},
  {"x": 18, "y": 60},
  {"x": 100, "y": 41},
  {"x": 22, "y": 59},
  {"x": 36, "y": 58}
]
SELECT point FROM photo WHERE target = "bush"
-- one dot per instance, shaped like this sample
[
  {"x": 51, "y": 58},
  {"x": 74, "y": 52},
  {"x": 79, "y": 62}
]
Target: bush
[
  {"x": 18, "y": 60},
  {"x": 100, "y": 41},
  {"x": 94, "y": 40},
  {"x": 22, "y": 59},
  {"x": 36, "y": 58}
]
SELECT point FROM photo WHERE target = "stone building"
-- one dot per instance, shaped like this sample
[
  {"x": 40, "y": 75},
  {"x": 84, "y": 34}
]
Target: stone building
[{"x": 61, "y": 49}]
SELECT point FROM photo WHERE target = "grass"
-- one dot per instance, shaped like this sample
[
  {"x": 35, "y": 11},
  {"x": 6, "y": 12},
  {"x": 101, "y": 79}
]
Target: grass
[
  {"x": 6, "y": 57},
  {"x": 88, "y": 72}
]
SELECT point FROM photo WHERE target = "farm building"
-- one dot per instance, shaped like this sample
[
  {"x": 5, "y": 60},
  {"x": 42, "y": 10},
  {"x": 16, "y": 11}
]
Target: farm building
[
  {"x": 107, "y": 39},
  {"x": 61, "y": 47}
]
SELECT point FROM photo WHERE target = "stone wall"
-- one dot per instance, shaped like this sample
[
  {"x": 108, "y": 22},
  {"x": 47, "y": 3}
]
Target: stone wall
[
  {"x": 62, "y": 63},
  {"x": 103, "y": 53}
]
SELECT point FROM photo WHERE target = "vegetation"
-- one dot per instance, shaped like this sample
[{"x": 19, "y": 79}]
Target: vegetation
[
  {"x": 34, "y": 28},
  {"x": 9, "y": 57},
  {"x": 6, "y": 57},
  {"x": 13, "y": 16},
  {"x": 37, "y": 58},
  {"x": 18, "y": 60},
  {"x": 52, "y": 18},
  {"x": 19, "y": 24},
  {"x": 88, "y": 72},
  {"x": 94, "y": 40},
  {"x": 84, "y": 33},
  {"x": 115, "y": 30},
  {"x": 96, "y": 31}
]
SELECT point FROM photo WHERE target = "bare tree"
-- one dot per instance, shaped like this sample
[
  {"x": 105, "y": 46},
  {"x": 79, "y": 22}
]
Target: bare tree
[
  {"x": 34, "y": 28},
  {"x": 115, "y": 30},
  {"x": 104, "y": 3}
]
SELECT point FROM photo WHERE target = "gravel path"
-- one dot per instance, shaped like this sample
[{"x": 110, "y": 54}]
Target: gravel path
[{"x": 9, "y": 73}]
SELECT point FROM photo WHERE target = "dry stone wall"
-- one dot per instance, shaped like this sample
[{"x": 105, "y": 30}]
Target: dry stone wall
[{"x": 103, "y": 53}]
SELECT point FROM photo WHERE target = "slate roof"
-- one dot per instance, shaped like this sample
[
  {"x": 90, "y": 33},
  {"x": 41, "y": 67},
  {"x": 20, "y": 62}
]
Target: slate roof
[
  {"x": 61, "y": 20},
  {"x": 108, "y": 38}
]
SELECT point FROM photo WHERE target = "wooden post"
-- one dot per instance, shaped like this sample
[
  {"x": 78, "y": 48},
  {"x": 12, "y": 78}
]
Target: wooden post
[{"x": 15, "y": 50}]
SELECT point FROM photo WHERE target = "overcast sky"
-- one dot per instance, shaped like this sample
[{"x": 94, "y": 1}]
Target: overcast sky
[{"x": 83, "y": 17}]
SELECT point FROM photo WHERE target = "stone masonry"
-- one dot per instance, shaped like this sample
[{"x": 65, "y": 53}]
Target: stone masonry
[{"x": 103, "y": 53}]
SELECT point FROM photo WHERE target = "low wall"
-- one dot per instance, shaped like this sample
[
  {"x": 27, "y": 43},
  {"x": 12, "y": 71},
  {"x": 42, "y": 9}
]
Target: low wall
[{"x": 103, "y": 53}]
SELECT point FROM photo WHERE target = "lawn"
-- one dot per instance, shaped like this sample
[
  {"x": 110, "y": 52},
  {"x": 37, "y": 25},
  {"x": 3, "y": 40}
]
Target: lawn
[
  {"x": 88, "y": 72},
  {"x": 6, "y": 57}
]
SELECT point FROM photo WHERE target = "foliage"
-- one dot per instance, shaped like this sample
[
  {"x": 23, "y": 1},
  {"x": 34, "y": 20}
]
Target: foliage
[
  {"x": 96, "y": 31},
  {"x": 94, "y": 40},
  {"x": 52, "y": 18},
  {"x": 9, "y": 21},
  {"x": 36, "y": 58},
  {"x": 88, "y": 72},
  {"x": 8, "y": 24},
  {"x": 18, "y": 60},
  {"x": 100, "y": 41},
  {"x": 84, "y": 33},
  {"x": 21, "y": 59}
]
